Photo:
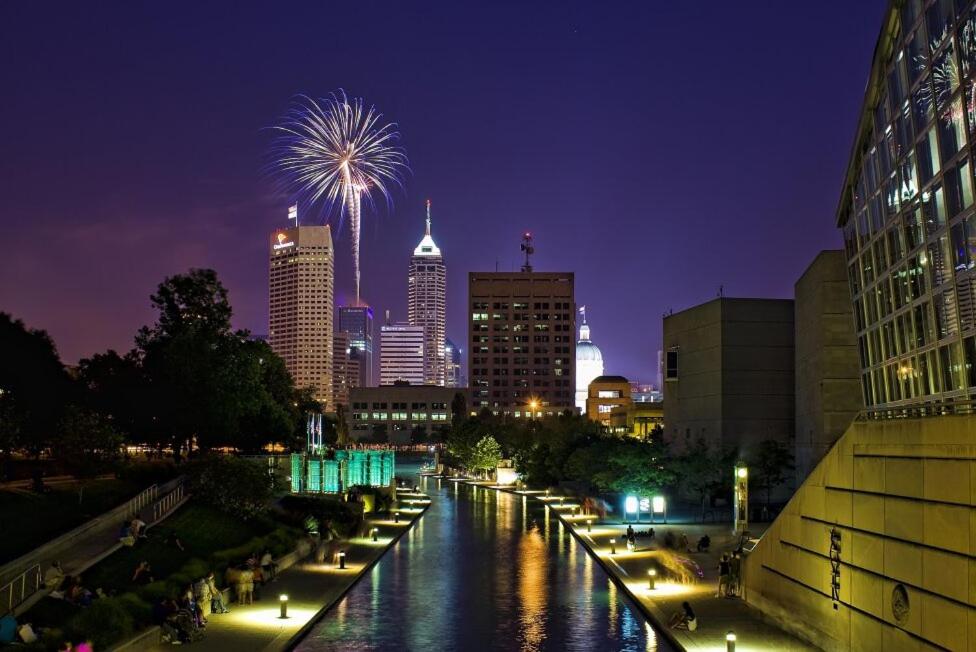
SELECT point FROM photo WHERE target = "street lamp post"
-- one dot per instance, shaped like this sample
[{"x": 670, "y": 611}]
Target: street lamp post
[{"x": 740, "y": 505}]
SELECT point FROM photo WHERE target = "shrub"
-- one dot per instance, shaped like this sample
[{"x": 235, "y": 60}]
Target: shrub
[
  {"x": 230, "y": 484},
  {"x": 343, "y": 516},
  {"x": 137, "y": 607},
  {"x": 103, "y": 623}
]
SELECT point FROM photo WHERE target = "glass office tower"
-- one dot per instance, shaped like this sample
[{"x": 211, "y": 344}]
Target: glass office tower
[{"x": 907, "y": 210}]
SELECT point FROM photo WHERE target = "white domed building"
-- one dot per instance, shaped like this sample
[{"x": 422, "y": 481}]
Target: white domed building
[{"x": 589, "y": 363}]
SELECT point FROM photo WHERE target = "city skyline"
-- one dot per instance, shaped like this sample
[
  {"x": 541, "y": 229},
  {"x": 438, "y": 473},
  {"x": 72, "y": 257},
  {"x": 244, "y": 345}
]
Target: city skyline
[{"x": 488, "y": 146}]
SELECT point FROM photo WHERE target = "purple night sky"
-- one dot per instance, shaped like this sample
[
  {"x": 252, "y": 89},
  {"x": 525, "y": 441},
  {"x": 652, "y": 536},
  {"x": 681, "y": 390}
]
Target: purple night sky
[{"x": 656, "y": 149}]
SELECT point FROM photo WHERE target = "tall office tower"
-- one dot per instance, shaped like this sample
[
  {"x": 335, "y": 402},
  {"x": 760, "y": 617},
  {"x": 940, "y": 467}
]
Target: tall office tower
[
  {"x": 452, "y": 362},
  {"x": 589, "y": 363},
  {"x": 401, "y": 354},
  {"x": 345, "y": 368},
  {"x": 427, "y": 284},
  {"x": 358, "y": 322},
  {"x": 300, "y": 264},
  {"x": 521, "y": 342}
]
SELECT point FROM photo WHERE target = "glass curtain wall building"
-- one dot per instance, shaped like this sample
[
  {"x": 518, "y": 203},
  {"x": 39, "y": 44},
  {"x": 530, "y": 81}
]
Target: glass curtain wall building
[{"x": 907, "y": 211}]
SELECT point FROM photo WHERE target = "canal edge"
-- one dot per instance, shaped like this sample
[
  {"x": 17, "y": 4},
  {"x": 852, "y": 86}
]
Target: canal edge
[
  {"x": 652, "y": 613},
  {"x": 297, "y": 637}
]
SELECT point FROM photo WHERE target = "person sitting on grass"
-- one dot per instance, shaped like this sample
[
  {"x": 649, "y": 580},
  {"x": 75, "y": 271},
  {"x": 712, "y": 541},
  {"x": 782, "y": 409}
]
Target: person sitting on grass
[
  {"x": 53, "y": 576},
  {"x": 704, "y": 543},
  {"x": 77, "y": 593},
  {"x": 173, "y": 540},
  {"x": 684, "y": 619},
  {"x": 138, "y": 528},
  {"x": 125, "y": 535},
  {"x": 143, "y": 574}
]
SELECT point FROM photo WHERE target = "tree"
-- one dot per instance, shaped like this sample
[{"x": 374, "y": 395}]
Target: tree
[
  {"x": 231, "y": 484},
  {"x": 209, "y": 384},
  {"x": 770, "y": 467},
  {"x": 34, "y": 388},
  {"x": 459, "y": 409},
  {"x": 114, "y": 386},
  {"x": 88, "y": 444},
  {"x": 486, "y": 455},
  {"x": 702, "y": 471}
]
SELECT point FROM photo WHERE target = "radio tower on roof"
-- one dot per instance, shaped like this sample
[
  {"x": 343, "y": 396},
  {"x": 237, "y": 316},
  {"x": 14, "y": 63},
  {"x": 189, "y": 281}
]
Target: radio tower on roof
[{"x": 529, "y": 249}]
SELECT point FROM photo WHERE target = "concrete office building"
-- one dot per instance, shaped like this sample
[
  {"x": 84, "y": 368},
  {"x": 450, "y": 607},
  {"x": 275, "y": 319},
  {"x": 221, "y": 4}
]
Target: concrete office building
[
  {"x": 604, "y": 394},
  {"x": 401, "y": 354},
  {"x": 358, "y": 322},
  {"x": 521, "y": 342},
  {"x": 426, "y": 304},
  {"x": 828, "y": 386},
  {"x": 877, "y": 549},
  {"x": 399, "y": 410},
  {"x": 300, "y": 305},
  {"x": 729, "y": 373},
  {"x": 345, "y": 368}
]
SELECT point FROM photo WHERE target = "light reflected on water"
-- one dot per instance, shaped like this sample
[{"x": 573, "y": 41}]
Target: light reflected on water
[{"x": 484, "y": 570}]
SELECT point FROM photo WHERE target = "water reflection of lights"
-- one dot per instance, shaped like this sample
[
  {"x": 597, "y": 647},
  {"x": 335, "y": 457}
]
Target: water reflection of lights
[{"x": 533, "y": 568}]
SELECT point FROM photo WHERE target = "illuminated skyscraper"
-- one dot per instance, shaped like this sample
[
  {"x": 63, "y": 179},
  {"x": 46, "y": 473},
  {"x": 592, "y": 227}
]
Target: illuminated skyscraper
[
  {"x": 358, "y": 322},
  {"x": 427, "y": 285},
  {"x": 452, "y": 368},
  {"x": 401, "y": 354},
  {"x": 300, "y": 264}
]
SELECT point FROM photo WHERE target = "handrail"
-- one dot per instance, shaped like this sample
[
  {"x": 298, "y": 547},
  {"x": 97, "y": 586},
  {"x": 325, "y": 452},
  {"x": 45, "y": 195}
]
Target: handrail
[
  {"x": 168, "y": 502},
  {"x": 7, "y": 592},
  {"x": 113, "y": 515},
  {"x": 918, "y": 410}
]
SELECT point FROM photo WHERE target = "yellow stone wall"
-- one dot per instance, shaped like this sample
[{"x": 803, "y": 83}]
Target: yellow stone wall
[{"x": 902, "y": 494}]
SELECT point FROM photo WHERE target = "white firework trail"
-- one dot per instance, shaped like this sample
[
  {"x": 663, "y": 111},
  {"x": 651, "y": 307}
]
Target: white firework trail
[{"x": 338, "y": 151}]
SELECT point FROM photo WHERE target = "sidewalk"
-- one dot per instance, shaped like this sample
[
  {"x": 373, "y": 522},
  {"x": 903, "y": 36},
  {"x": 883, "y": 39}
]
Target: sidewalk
[
  {"x": 312, "y": 589},
  {"x": 716, "y": 615}
]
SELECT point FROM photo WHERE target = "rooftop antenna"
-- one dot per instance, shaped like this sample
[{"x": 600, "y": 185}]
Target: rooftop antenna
[
  {"x": 387, "y": 317},
  {"x": 528, "y": 249},
  {"x": 428, "y": 217}
]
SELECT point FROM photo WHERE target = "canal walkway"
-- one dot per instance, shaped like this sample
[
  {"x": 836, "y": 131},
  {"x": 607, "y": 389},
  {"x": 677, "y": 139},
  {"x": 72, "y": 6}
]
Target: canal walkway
[
  {"x": 717, "y": 616},
  {"x": 312, "y": 589}
]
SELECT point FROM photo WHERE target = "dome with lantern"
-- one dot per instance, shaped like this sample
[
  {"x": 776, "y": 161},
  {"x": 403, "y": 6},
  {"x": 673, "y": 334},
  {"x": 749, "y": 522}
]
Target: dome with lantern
[{"x": 589, "y": 362}]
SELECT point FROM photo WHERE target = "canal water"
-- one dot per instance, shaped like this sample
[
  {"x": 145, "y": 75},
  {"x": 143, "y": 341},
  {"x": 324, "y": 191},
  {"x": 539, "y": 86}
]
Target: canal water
[{"x": 484, "y": 570}]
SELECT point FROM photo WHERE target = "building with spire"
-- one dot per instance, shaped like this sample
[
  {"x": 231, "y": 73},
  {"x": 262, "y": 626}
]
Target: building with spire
[
  {"x": 426, "y": 303},
  {"x": 589, "y": 362}
]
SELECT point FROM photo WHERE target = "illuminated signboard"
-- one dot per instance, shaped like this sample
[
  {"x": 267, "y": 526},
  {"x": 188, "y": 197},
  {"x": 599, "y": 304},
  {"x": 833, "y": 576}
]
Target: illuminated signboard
[{"x": 283, "y": 242}]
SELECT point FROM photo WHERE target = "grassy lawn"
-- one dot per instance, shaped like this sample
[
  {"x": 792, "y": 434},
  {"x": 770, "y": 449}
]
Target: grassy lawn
[
  {"x": 42, "y": 517},
  {"x": 203, "y": 531}
]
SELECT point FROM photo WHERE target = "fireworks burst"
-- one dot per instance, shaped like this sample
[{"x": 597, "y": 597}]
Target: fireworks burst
[{"x": 338, "y": 151}]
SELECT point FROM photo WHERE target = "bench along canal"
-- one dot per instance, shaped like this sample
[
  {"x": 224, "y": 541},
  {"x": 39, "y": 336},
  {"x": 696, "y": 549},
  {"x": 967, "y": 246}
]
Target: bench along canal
[{"x": 484, "y": 570}]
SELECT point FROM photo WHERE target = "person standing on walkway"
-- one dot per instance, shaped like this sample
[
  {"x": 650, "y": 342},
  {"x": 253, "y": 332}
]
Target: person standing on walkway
[
  {"x": 735, "y": 577},
  {"x": 724, "y": 570}
]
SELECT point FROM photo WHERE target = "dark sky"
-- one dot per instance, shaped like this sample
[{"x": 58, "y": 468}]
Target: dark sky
[{"x": 657, "y": 149}]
